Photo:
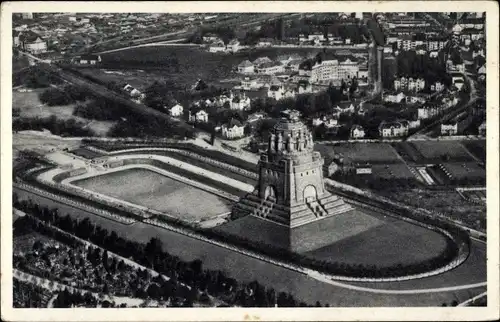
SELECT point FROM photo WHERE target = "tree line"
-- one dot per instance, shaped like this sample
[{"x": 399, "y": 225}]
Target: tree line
[{"x": 152, "y": 255}]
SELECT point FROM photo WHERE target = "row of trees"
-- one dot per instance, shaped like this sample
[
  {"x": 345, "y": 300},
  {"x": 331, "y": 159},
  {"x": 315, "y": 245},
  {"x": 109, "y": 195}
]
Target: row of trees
[
  {"x": 430, "y": 69},
  {"x": 62, "y": 96},
  {"x": 69, "y": 127},
  {"x": 35, "y": 77},
  {"x": 26, "y": 295},
  {"x": 152, "y": 254}
]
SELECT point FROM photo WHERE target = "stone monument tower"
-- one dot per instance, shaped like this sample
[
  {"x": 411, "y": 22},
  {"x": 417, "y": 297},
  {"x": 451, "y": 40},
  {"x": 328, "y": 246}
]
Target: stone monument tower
[{"x": 290, "y": 198}]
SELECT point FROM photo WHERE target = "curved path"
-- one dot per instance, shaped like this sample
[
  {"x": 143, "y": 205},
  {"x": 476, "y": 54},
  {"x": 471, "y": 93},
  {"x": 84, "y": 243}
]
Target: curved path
[{"x": 324, "y": 279}]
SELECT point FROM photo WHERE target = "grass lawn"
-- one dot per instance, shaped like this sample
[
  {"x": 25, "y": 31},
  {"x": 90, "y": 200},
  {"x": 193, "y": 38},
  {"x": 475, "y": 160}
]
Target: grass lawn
[
  {"x": 360, "y": 152},
  {"x": 477, "y": 148},
  {"x": 150, "y": 189},
  {"x": 391, "y": 242},
  {"x": 247, "y": 269}
]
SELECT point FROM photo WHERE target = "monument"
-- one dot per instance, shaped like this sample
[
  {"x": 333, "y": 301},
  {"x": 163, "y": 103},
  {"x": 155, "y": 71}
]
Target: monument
[{"x": 290, "y": 206}]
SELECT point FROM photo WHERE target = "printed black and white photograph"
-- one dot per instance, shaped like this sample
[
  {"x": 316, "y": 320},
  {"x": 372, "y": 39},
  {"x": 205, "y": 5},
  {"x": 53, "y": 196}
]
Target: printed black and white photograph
[{"x": 249, "y": 159}]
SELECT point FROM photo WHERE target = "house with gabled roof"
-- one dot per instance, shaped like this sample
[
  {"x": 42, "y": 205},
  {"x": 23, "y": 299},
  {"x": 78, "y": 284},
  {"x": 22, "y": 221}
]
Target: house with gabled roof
[
  {"x": 246, "y": 67},
  {"x": 233, "y": 129}
]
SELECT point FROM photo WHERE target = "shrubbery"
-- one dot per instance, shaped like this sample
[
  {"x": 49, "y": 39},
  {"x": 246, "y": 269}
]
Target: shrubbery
[
  {"x": 69, "y": 127},
  {"x": 69, "y": 94}
]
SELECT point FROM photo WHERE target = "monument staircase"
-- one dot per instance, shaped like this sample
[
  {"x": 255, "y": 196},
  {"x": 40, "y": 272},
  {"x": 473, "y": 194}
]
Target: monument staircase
[{"x": 326, "y": 206}]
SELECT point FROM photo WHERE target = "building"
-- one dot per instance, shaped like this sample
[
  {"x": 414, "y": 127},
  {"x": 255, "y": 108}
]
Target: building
[
  {"x": 270, "y": 68},
  {"x": 262, "y": 60},
  {"x": 209, "y": 38},
  {"x": 199, "y": 117},
  {"x": 393, "y": 129},
  {"x": 482, "y": 129},
  {"x": 176, "y": 110},
  {"x": 233, "y": 46},
  {"x": 409, "y": 84},
  {"x": 330, "y": 68},
  {"x": 436, "y": 44},
  {"x": 32, "y": 42},
  {"x": 265, "y": 42},
  {"x": 279, "y": 92},
  {"x": 89, "y": 59},
  {"x": 246, "y": 67},
  {"x": 357, "y": 132},
  {"x": 233, "y": 129},
  {"x": 132, "y": 91},
  {"x": 217, "y": 47},
  {"x": 429, "y": 111},
  {"x": 290, "y": 207},
  {"x": 449, "y": 128},
  {"x": 240, "y": 102},
  {"x": 437, "y": 87},
  {"x": 396, "y": 97},
  {"x": 345, "y": 108},
  {"x": 304, "y": 87}
]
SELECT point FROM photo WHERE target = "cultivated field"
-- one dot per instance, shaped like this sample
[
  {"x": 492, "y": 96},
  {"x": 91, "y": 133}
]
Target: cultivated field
[
  {"x": 392, "y": 171},
  {"x": 360, "y": 152},
  {"x": 388, "y": 243},
  {"x": 303, "y": 287},
  {"x": 152, "y": 190},
  {"x": 469, "y": 170},
  {"x": 439, "y": 150},
  {"x": 448, "y": 202}
]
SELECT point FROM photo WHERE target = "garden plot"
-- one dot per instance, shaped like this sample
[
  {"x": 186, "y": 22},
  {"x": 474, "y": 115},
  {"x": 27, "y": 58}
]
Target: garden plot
[
  {"x": 442, "y": 150},
  {"x": 360, "y": 152}
]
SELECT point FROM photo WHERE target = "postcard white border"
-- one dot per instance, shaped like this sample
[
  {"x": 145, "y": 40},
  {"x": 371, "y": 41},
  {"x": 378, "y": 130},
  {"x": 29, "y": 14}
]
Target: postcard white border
[{"x": 246, "y": 314}]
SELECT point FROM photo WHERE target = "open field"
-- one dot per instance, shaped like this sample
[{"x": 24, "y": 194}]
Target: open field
[
  {"x": 184, "y": 65},
  {"x": 150, "y": 189},
  {"x": 477, "y": 148},
  {"x": 360, "y": 152},
  {"x": 389, "y": 243},
  {"x": 469, "y": 170},
  {"x": 303, "y": 287},
  {"x": 138, "y": 78},
  {"x": 438, "y": 149},
  {"x": 41, "y": 143},
  {"x": 448, "y": 202},
  {"x": 433, "y": 151},
  {"x": 30, "y": 106}
]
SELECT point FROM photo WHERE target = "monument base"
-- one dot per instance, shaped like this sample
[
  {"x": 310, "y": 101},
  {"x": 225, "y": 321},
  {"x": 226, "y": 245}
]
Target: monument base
[{"x": 304, "y": 238}]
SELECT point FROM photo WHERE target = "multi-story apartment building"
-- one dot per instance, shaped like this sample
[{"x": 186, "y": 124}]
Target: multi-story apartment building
[
  {"x": 334, "y": 69},
  {"x": 409, "y": 84}
]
